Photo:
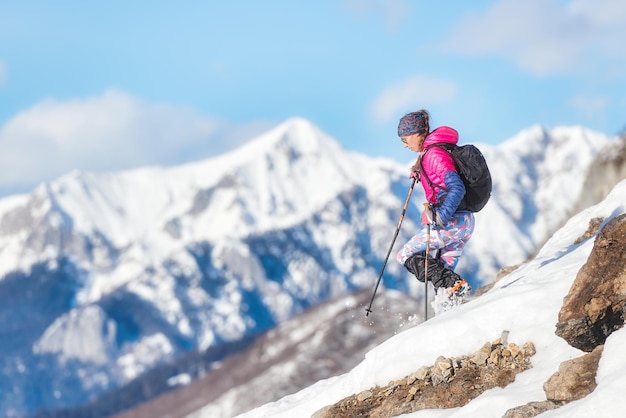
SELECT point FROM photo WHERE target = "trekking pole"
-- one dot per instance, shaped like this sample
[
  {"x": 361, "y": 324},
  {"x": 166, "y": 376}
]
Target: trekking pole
[
  {"x": 380, "y": 276},
  {"x": 426, "y": 272}
]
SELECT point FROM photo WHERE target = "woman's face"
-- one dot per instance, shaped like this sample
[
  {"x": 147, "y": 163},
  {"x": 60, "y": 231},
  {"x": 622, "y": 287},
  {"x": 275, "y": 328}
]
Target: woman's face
[{"x": 414, "y": 142}]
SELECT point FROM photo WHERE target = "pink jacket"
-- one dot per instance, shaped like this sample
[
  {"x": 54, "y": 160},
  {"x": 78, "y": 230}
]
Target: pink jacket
[{"x": 438, "y": 166}]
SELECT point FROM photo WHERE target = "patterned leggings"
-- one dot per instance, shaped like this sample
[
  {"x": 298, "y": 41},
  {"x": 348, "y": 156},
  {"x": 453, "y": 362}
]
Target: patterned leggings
[{"x": 450, "y": 239}]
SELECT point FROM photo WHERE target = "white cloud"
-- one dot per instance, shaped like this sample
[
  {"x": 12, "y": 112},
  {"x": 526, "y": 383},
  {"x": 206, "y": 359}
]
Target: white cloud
[
  {"x": 417, "y": 92},
  {"x": 546, "y": 37},
  {"x": 105, "y": 133}
]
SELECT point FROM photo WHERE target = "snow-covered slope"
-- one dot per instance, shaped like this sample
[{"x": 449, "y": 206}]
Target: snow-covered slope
[
  {"x": 155, "y": 262},
  {"x": 526, "y": 303}
]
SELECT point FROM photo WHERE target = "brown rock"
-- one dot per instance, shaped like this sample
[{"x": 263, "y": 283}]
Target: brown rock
[
  {"x": 366, "y": 394},
  {"x": 422, "y": 373},
  {"x": 528, "y": 350},
  {"x": 481, "y": 356},
  {"x": 575, "y": 379},
  {"x": 531, "y": 409},
  {"x": 450, "y": 385},
  {"x": 442, "y": 371},
  {"x": 592, "y": 228},
  {"x": 596, "y": 303},
  {"x": 494, "y": 357}
]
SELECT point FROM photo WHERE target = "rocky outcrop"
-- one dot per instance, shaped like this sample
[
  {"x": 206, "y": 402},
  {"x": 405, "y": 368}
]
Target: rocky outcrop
[
  {"x": 596, "y": 303},
  {"x": 592, "y": 310},
  {"x": 574, "y": 380},
  {"x": 449, "y": 383},
  {"x": 531, "y": 409}
]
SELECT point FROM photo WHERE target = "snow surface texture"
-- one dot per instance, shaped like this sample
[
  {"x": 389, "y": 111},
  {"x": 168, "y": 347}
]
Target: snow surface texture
[{"x": 526, "y": 303}]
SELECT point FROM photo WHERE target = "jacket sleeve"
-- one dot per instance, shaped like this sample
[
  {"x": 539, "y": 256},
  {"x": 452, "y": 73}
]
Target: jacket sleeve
[{"x": 451, "y": 200}]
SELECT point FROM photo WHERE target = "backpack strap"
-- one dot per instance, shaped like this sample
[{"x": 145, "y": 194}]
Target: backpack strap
[{"x": 446, "y": 147}]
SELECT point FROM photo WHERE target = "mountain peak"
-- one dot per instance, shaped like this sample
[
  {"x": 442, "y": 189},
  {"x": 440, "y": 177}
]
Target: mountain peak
[
  {"x": 283, "y": 175},
  {"x": 297, "y": 125},
  {"x": 298, "y": 135}
]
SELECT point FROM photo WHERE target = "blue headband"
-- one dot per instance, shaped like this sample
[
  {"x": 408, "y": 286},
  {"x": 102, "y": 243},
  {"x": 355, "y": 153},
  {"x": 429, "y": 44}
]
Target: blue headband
[{"x": 411, "y": 124}]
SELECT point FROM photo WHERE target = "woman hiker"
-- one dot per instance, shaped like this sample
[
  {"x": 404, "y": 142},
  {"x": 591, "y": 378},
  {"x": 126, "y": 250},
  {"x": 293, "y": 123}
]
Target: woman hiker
[{"x": 444, "y": 190}]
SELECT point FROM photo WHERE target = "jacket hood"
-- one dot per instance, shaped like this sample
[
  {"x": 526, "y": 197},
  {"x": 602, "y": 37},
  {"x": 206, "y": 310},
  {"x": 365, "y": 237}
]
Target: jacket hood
[{"x": 443, "y": 134}]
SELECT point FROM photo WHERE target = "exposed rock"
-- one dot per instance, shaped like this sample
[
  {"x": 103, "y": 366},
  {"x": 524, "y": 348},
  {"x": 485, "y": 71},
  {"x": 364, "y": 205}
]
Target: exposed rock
[
  {"x": 442, "y": 371},
  {"x": 531, "y": 409},
  {"x": 529, "y": 349},
  {"x": 593, "y": 309},
  {"x": 506, "y": 270},
  {"x": 366, "y": 394},
  {"x": 481, "y": 356},
  {"x": 596, "y": 303},
  {"x": 501, "y": 273},
  {"x": 575, "y": 379},
  {"x": 449, "y": 383},
  {"x": 594, "y": 224}
]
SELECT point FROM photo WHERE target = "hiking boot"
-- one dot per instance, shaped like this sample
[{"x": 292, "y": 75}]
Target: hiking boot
[
  {"x": 438, "y": 273},
  {"x": 460, "y": 288}
]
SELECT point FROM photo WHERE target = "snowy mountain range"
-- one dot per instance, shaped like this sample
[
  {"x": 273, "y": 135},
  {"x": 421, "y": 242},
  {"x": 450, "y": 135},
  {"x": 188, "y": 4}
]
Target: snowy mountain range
[{"x": 104, "y": 277}]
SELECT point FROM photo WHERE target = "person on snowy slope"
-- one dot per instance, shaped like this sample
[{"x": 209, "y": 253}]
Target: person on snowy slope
[{"x": 444, "y": 190}]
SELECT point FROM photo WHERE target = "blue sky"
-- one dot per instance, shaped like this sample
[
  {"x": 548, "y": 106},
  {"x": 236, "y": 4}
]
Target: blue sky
[{"x": 103, "y": 86}]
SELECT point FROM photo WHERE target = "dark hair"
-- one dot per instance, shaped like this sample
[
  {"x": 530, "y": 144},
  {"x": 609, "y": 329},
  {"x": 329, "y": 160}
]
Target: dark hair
[{"x": 414, "y": 123}]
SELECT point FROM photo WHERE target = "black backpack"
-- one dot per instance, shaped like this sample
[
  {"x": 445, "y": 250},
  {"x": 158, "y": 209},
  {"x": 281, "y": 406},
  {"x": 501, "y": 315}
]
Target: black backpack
[{"x": 473, "y": 170}]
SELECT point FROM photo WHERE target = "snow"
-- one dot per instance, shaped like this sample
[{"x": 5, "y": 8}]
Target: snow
[
  {"x": 11, "y": 202},
  {"x": 526, "y": 303},
  {"x": 180, "y": 379},
  {"x": 150, "y": 349}
]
